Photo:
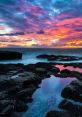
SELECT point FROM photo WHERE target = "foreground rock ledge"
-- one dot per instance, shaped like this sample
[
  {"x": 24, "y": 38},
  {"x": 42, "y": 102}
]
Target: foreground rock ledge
[
  {"x": 7, "y": 55},
  {"x": 18, "y": 82},
  {"x": 73, "y": 91}
]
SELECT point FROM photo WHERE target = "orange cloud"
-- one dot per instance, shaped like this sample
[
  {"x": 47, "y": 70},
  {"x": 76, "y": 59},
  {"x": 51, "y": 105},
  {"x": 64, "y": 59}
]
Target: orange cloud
[{"x": 64, "y": 33}]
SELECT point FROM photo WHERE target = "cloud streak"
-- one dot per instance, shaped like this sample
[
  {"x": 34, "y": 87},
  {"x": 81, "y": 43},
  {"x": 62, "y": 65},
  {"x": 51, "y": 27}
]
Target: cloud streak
[{"x": 33, "y": 23}]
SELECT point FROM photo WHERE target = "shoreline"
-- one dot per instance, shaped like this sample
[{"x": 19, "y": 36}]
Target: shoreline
[
  {"x": 18, "y": 82},
  {"x": 25, "y": 81}
]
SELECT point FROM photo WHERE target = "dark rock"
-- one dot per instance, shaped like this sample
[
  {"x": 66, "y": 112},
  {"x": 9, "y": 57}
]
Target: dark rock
[
  {"x": 24, "y": 76},
  {"x": 8, "y": 55},
  {"x": 58, "y": 114},
  {"x": 76, "y": 74},
  {"x": 6, "y": 112},
  {"x": 42, "y": 56},
  {"x": 75, "y": 109},
  {"x": 55, "y": 70},
  {"x": 12, "y": 91},
  {"x": 30, "y": 67},
  {"x": 6, "y": 84},
  {"x": 58, "y": 57},
  {"x": 25, "y": 92},
  {"x": 45, "y": 65},
  {"x": 65, "y": 73},
  {"x": 41, "y": 72},
  {"x": 73, "y": 91},
  {"x": 20, "y": 106}
]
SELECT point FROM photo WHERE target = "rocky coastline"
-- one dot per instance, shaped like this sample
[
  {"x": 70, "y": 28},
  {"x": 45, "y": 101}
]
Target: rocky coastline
[{"x": 18, "y": 82}]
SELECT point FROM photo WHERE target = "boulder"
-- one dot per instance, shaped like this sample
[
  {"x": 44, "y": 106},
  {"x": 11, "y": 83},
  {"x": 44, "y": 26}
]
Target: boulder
[
  {"x": 73, "y": 91},
  {"x": 65, "y": 73},
  {"x": 75, "y": 109}
]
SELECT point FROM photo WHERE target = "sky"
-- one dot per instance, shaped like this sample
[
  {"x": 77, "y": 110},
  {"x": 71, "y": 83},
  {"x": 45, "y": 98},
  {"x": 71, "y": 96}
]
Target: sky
[{"x": 41, "y": 23}]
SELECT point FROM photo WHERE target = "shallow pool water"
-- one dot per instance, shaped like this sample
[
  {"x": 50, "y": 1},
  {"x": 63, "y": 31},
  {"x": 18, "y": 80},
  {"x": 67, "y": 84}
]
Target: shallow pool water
[{"x": 47, "y": 97}]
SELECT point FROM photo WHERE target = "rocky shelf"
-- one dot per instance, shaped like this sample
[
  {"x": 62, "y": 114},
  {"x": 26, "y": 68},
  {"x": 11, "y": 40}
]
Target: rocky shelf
[
  {"x": 18, "y": 82},
  {"x": 58, "y": 57}
]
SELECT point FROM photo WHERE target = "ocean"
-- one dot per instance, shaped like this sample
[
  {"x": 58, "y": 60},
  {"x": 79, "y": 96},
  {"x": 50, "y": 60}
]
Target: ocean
[{"x": 29, "y": 54}]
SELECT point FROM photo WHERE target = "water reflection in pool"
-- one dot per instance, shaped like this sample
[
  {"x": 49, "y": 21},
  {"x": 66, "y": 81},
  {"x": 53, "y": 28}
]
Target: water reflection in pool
[
  {"x": 47, "y": 97},
  {"x": 71, "y": 68}
]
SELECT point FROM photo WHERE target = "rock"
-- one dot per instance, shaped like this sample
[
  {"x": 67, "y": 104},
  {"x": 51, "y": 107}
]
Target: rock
[
  {"x": 58, "y": 57},
  {"x": 6, "y": 112},
  {"x": 65, "y": 73},
  {"x": 3, "y": 78},
  {"x": 55, "y": 70},
  {"x": 20, "y": 106},
  {"x": 25, "y": 76},
  {"x": 8, "y": 55},
  {"x": 58, "y": 114},
  {"x": 25, "y": 92},
  {"x": 45, "y": 65},
  {"x": 13, "y": 90},
  {"x": 6, "y": 84},
  {"x": 73, "y": 91},
  {"x": 76, "y": 74},
  {"x": 41, "y": 72},
  {"x": 18, "y": 83},
  {"x": 30, "y": 67},
  {"x": 43, "y": 56},
  {"x": 3, "y": 95},
  {"x": 75, "y": 109}
]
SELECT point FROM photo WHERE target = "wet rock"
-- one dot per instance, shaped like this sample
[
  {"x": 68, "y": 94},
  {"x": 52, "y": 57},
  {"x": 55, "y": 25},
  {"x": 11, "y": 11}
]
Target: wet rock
[
  {"x": 13, "y": 90},
  {"x": 3, "y": 95},
  {"x": 41, "y": 70},
  {"x": 44, "y": 65},
  {"x": 58, "y": 114},
  {"x": 6, "y": 84},
  {"x": 58, "y": 57},
  {"x": 6, "y": 112},
  {"x": 55, "y": 70},
  {"x": 24, "y": 76},
  {"x": 73, "y": 91},
  {"x": 30, "y": 68},
  {"x": 75, "y": 109},
  {"x": 20, "y": 106},
  {"x": 43, "y": 56},
  {"x": 65, "y": 73},
  {"x": 76, "y": 74},
  {"x": 25, "y": 92}
]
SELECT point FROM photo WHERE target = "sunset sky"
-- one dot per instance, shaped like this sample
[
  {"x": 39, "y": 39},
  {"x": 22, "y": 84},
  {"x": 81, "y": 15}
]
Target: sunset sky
[{"x": 41, "y": 23}]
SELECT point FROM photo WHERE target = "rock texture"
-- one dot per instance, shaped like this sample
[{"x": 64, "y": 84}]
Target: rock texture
[{"x": 18, "y": 82}]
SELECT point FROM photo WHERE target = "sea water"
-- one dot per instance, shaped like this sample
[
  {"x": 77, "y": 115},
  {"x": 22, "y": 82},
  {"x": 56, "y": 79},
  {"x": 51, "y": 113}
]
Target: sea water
[{"x": 29, "y": 55}]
